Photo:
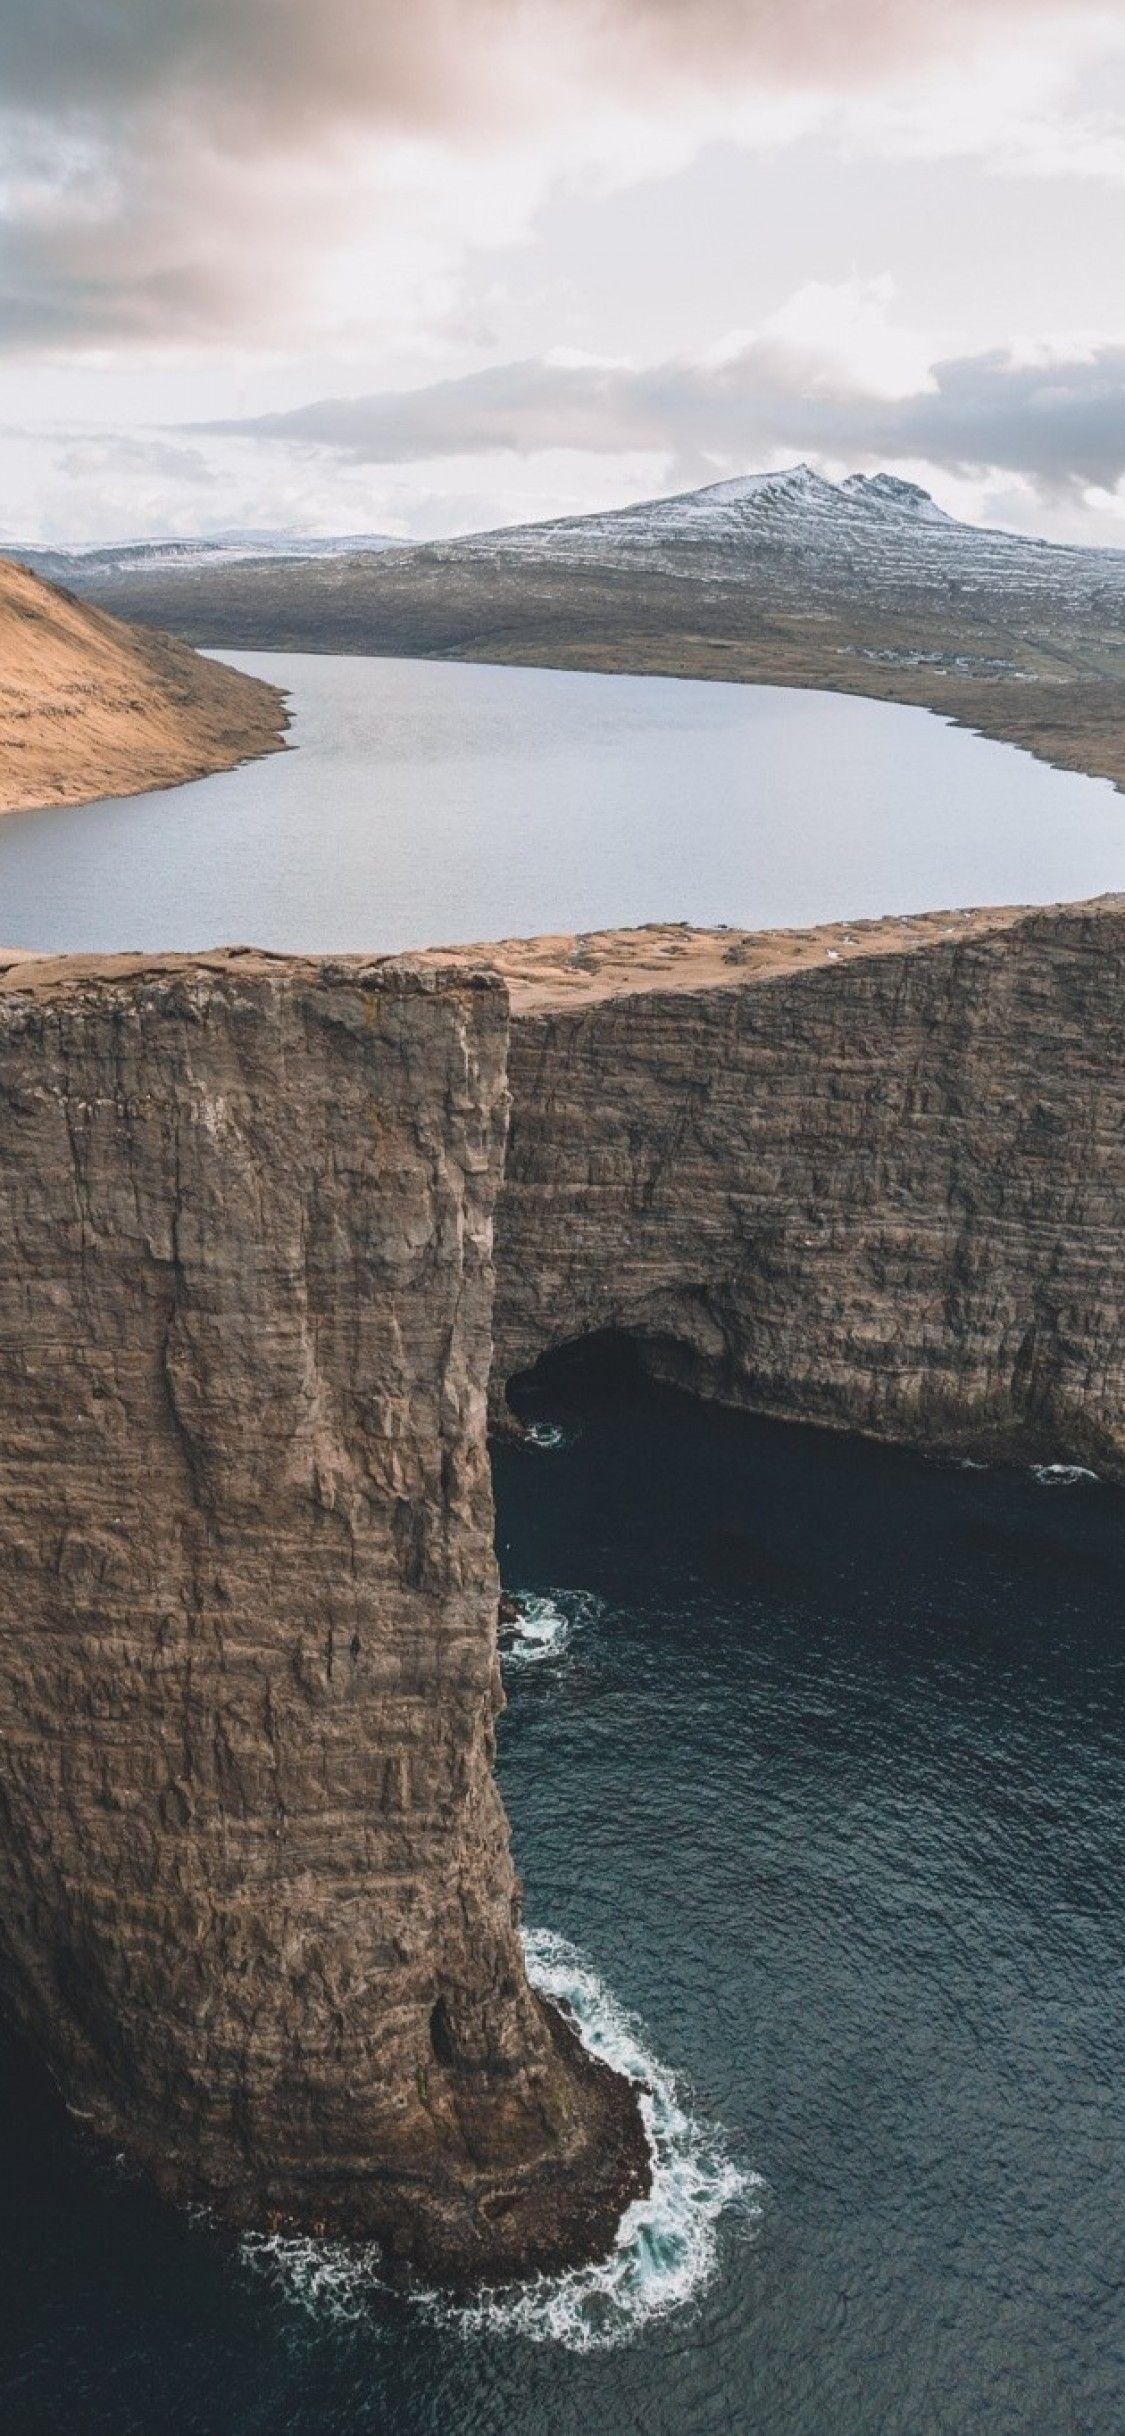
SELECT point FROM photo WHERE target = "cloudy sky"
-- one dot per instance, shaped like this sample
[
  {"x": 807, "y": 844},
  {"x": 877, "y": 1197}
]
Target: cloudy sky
[{"x": 417, "y": 266}]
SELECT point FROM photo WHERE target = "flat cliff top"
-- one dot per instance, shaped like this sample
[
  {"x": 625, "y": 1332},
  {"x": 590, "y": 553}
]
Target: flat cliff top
[
  {"x": 586, "y": 967},
  {"x": 24, "y": 973},
  {"x": 560, "y": 970},
  {"x": 91, "y": 707}
]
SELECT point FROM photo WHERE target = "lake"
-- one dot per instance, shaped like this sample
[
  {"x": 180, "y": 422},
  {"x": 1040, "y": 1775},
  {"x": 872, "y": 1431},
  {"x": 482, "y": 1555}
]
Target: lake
[{"x": 428, "y": 802}]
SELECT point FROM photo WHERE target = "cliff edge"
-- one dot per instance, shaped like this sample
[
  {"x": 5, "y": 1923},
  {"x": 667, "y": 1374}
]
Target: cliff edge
[
  {"x": 257, "y": 1906},
  {"x": 871, "y": 1176}
]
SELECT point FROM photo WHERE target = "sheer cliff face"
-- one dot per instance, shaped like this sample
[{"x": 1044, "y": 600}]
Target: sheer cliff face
[
  {"x": 882, "y": 1192},
  {"x": 257, "y": 1907},
  {"x": 256, "y": 1902}
]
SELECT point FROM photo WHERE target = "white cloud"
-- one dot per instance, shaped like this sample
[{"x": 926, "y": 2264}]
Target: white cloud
[
  {"x": 851, "y": 326},
  {"x": 197, "y": 168},
  {"x": 200, "y": 199}
]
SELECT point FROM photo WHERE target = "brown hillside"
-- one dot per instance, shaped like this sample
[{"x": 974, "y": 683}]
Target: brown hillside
[{"x": 91, "y": 707}]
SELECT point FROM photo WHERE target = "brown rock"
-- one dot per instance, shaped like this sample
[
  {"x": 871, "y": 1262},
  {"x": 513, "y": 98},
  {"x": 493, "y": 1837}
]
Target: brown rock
[
  {"x": 871, "y": 1176},
  {"x": 257, "y": 1907}
]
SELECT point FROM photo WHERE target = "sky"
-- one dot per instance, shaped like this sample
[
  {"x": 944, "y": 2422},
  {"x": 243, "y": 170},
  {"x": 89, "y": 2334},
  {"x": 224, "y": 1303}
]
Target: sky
[{"x": 336, "y": 266}]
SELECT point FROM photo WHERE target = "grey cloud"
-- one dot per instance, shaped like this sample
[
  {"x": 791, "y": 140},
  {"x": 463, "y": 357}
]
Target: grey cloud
[
  {"x": 136, "y": 116},
  {"x": 285, "y": 59},
  {"x": 277, "y": 65},
  {"x": 1061, "y": 424}
]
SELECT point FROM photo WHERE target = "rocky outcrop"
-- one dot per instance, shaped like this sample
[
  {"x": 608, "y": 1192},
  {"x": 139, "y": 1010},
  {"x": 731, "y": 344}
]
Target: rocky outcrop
[
  {"x": 257, "y": 1907},
  {"x": 870, "y": 1178}
]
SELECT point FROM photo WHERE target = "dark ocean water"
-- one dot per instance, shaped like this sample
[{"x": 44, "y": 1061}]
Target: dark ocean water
[{"x": 824, "y": 1775}]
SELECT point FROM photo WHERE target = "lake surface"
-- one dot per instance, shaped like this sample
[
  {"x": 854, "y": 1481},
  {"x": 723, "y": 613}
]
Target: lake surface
[
  {"x": 429, "y": 802},
  {"x": 815, "y": 1754}
]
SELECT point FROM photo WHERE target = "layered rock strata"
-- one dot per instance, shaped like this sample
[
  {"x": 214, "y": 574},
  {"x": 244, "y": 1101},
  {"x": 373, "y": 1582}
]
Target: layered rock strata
[
  {"x": 257, "y": 1907},
  {"x": 873, "y": 1178}
]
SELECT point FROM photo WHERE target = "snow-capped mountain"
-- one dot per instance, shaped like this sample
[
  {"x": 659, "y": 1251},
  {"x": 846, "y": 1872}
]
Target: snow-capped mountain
[
  {"x": 778, "y": 576},
  {"x": 796, "y": 537},
  {"x": 806, "y": 535}
]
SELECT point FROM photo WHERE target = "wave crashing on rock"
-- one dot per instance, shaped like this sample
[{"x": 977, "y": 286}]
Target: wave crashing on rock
[{"x": 667, "y": 2249}]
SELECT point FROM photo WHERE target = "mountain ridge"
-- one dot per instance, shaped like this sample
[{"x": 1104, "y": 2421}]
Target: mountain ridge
[
  {"x": 880, "y": 518},
  {"x": 736, "y": 506},
  {"x": 781, "y": 578}
]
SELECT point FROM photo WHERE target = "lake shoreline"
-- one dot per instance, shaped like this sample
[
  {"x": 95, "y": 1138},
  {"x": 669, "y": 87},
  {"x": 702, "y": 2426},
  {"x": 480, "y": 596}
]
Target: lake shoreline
[
  {"x": 1073, "y": 725},
  {"x": 91, "y": 706},
  {"x": 422, "y": 802}
]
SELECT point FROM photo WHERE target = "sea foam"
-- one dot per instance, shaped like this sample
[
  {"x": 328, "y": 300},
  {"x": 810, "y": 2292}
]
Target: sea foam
[
  {"x": 544, "y": 1625},
  {"x": 667, "y": 2248},
  {"x": 548, "y": 1435},
  {"x": 1063, "y": 1475}
]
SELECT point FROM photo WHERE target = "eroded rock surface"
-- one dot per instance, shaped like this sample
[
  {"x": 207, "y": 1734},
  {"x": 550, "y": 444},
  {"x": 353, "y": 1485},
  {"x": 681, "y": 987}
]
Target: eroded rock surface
[
  {"x": 872, "y": 1177},
  {"x": 257, "y": 1907}
]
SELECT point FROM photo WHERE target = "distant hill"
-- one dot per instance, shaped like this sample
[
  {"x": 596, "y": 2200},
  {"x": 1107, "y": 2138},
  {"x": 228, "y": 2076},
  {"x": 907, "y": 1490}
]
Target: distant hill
[
  {"x": 91, "y": 707},
  {"x": 791, "y": 533},
  {"x": 863, "y": 586},
  {"x": 85, "y": 570}
]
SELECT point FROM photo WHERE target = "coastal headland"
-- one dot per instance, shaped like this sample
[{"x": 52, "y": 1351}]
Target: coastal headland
[{"x": 271, "y": 1226}]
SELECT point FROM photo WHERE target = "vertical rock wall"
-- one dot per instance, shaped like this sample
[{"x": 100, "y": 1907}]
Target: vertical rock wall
[
  {"x": 256, "y": 1902},
  {"x": 885, "y": 1193}
]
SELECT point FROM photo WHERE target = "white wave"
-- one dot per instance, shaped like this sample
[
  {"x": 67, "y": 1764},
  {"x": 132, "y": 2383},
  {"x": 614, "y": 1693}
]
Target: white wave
[
  {"x": 667, "y": 2248},
  {"x": 548, "y": 1435},
  {"x": 1062, "y": 1475},
  {"x": 668, "y": 2244},
  {"x": 539, "y": 1630},
  {"x": 333, "y": 2281},
  {"x": 545, "y": 1624}
]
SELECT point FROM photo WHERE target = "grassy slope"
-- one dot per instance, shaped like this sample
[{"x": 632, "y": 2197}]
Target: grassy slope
[{"x": 91, "y": 707}]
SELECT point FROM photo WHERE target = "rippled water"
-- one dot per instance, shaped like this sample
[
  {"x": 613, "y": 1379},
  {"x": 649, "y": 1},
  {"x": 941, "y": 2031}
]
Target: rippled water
[
  {"x": 428, "y": 802},
  {"x": 820, "y": 1803}
]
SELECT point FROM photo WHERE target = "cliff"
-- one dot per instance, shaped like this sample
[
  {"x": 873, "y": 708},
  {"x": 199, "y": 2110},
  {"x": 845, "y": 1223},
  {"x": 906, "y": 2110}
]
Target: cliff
[
  {"x": 869, "y": 1177},
  {"x": 89, "y": 706},
  {"x": 257, "y": 1907}
]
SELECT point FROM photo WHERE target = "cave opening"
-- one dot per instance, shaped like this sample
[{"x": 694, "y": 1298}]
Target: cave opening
[
  {"x": 608, "y": 1364},
  {"x": 607, "y": 1367}
]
